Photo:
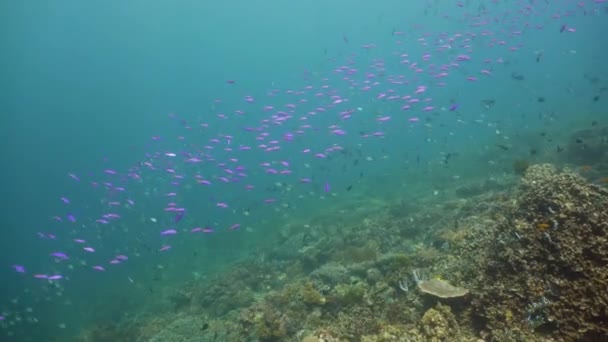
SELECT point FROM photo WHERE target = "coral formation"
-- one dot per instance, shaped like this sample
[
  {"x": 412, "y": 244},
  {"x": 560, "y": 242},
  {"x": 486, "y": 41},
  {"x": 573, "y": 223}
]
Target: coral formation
[
  {"x": 531, "y": 266},
  {"x": 551, "y": 280},
  {"x": 442, "y": 289}
]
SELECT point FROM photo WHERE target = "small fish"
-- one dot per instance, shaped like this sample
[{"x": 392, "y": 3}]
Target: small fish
[
  {"x": 19, "y": 268},
  {"x": 327, "y": 187},
  {"x": 517, "y": 76},
  {"x": 60, "y": 255},
  {"x": 168, "y": 232},
  {"x": 178, "y": 217},
  {"x": 447, "y": 158},
  {"x": 349, "y": 188}
]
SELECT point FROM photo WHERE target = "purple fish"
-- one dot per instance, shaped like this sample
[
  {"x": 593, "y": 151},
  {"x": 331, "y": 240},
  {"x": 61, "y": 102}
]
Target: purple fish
[
  {"x": 19, "y": 268},
  {"x": 71, "y": 217},
  {"x": 179, "y": 216},
  {"x": 60, "y": 255},
  {"x": 454, "y": 107},
  {"x": 168, "y": 232},
  {"x": 327, "y": 187}
]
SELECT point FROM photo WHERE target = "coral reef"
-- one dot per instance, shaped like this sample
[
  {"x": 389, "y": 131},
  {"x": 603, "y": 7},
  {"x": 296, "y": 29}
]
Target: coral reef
[
  {"x": 547, "y": 271},
  {"x": 529, "y": 265}
]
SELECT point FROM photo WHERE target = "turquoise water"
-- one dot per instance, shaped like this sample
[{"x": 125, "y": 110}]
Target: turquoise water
[{"x": 287, "y": 109}]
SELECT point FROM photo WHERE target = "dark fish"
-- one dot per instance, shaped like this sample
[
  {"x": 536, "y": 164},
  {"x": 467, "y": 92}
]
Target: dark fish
[
  {"x": 596, "y": 98},
  {"x": 559, "y": 149},
  {"x": 349, "y": 188},
  {"x": 517, "y": 76},
  {"x": 447, "y": 158},
  {"x": 579, "y": 141},
  {"x": 538, "y": 57},
  {"x": 503, "y": 147},
  {"x": 593, "y": 123},
  {"x": 540, "y": 99},
  {"x": 562, "y": 29},
  {"x": 488, "y": 103}
]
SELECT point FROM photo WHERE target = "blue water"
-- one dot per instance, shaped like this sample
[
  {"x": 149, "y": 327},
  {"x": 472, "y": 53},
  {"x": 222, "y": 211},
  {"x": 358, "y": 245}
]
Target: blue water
[{"x": 86, "y": 86}]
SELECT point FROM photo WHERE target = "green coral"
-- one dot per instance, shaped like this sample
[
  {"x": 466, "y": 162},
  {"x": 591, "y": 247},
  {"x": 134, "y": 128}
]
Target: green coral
[
  {"x": 350, "y": 294},
  {"x": 311, "y": 296}
]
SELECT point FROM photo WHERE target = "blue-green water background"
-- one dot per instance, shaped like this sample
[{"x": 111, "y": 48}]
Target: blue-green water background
[{"x": 87, "y": 81}]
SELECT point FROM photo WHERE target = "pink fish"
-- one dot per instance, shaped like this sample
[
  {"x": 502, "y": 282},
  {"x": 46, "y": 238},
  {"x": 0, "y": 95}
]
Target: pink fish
[{"x": 168, "y": 232}]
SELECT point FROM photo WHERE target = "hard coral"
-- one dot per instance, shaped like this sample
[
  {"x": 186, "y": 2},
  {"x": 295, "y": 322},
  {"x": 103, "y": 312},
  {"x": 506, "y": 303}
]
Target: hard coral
[
  {"x": 554, "y": 280},
  {"x": 439, "y": 324},
  {"x": 442, "y": 289}
]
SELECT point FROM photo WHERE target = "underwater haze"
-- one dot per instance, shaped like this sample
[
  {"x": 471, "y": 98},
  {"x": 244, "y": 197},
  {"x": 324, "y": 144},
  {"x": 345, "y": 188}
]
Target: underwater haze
[{"x": 303, "y": 170}]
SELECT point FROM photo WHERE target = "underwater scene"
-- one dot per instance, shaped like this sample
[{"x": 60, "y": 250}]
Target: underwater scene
[{"x": 306, "y": 171}]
